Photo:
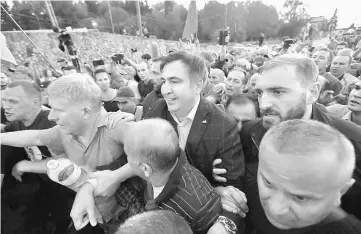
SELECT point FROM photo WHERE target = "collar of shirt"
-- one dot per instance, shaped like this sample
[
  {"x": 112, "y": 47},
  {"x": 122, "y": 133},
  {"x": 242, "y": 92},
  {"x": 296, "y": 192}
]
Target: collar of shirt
[
  {"x": 190, "y": 116},
  {"x": 170, "y": 187},
  {"x": 347, "y": 116},
  {"x": 323, "y": 73},
  {"x": 341, "y": 77}
]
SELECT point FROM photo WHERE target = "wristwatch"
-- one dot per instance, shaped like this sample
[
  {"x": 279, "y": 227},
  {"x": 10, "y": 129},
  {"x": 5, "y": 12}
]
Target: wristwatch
[{"x": 228, "y": 224}]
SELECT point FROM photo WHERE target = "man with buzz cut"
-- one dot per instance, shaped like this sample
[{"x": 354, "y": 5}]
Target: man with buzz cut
[
  {"x": 21, "y": 101},
  {"x": 305, "y": 167},
  {"x": 172, "y": 183}
]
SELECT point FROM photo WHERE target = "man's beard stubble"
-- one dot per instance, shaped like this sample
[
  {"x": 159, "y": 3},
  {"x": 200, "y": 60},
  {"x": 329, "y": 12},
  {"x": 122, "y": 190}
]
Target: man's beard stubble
[{"x": 294, "y": 113}]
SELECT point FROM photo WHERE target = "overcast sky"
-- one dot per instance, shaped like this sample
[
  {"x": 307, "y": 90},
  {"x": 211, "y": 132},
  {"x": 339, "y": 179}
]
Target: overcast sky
[{"x": 346, "y": 8}]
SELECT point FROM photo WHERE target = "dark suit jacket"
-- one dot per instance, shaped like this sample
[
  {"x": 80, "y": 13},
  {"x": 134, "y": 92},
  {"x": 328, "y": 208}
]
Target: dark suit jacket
[
  {"x": 213, "y": 135},
  {"x": 253, "y": 132}
]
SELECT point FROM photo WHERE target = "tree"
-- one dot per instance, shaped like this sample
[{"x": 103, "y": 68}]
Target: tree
[
  {"x": 295, "y": 17},
  {"x": 23, "y": 14},
  {"x": 92, "y": 7},
  {"x": 6, "y": 22},
  {"x": 211, "y": 17},
  {"x": 168, "y": 7},
  {"x": 265, "y": 24},
  {"x": 295, "y": 11},
  {"x": 332, "y": 24}
]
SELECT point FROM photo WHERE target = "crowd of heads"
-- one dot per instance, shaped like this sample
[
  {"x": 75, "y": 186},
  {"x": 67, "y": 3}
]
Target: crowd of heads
[{"x": 281, "y": 87}]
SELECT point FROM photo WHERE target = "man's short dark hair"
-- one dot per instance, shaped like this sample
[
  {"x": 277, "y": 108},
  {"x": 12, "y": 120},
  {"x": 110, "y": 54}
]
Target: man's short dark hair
[
  {"x": 330, "y": 54},
  {"x": 157, "y": 222},
  {"x": 29, "y": 87},
  {"x": 68, "y": 68},
  {"x": 146, "y": 57},
  {"x": 195, "y": 64},
  {"x": 306, "y": 68},
  {"x": 100, "y": 70},
  {"x": 243, "y": 98}
]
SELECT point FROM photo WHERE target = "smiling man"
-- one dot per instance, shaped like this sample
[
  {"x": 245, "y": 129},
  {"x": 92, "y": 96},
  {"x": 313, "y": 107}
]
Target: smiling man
[
  {"x": 305, "y": 167},
  {"x": 205, "y": 132}
]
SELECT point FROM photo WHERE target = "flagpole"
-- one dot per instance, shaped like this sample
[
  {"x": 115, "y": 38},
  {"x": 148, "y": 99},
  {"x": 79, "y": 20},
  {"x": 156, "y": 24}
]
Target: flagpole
[{"x": 27, "y": 37}]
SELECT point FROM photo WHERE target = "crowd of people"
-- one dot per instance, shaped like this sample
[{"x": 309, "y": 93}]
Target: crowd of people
[{"x": 251, "y": 140}]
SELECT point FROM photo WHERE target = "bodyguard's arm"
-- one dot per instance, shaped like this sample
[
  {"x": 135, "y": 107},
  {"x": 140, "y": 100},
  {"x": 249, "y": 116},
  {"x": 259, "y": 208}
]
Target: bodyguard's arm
[
  {"x": 231, "y": 153},
  {"x": 23, "y": 138}
]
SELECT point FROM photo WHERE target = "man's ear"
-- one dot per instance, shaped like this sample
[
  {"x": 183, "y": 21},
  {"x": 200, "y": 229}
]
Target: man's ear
[
  {"x": 199, "y": 86},
  {"x": 146, "y": 169},
  {"x": 87, "y": 112},
  {"x": 37, "y": 101},
  {"x": 343, "y": 190},
  {"x": 347, "y": 186},
  {"x": 313, "y": 92}
]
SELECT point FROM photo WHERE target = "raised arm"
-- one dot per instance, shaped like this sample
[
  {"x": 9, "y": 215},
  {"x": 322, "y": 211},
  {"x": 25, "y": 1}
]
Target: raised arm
[{"x": 23, "y": 138}]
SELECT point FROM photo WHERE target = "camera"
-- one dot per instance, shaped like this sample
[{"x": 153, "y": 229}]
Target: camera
[
  {"x": 117, "y": 58},
  {"x": 97, "y": 63},
  {"x": 223, "y": 37},
  {"x": 288, "y": 42},
  {"x": 65, "y": 39}
]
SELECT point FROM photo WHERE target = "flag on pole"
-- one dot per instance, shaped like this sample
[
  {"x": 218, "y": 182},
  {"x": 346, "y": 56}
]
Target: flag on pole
[
  {"x": 191, "y": 25},
  {"x": 5, "y": 53}
]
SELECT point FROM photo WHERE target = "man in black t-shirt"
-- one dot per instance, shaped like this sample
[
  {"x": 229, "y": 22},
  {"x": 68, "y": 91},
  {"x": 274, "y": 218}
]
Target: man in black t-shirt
[
  {"x": 300, "y": 181},
  {"x": 43, "y": 202}
]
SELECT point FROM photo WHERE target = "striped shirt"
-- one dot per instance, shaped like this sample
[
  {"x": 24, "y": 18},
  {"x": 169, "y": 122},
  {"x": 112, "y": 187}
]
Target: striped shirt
[{"x": 189, "y": 194}]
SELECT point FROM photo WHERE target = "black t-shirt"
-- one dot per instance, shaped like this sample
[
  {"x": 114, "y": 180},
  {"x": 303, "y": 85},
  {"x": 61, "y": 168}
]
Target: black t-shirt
[
  {"x": 145, "y": 89},
  {"x": 258, "y": 223},
  {"x": 3, "y": 117},
  {"x": 41, "y": 122},
  {"x": 110, "y": 106},
  {"x": 27, "y": 204}
]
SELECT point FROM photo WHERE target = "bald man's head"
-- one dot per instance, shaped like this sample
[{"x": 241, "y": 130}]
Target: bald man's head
[
  {"x": 153, "y": 142},
  {"x": 216, "y": 76},
  {"x": 157, "y": 222},
  {"x": 304, "y": 169}
]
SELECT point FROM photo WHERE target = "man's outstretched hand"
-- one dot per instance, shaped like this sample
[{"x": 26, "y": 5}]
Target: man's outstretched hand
[{"x": 84, "y": 209}]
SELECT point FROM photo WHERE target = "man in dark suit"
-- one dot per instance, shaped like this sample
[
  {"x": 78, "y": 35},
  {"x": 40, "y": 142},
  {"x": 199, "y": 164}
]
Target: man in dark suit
[
  {"x": 288, "y": 89},
  {"x": 205, "y": 132}
]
